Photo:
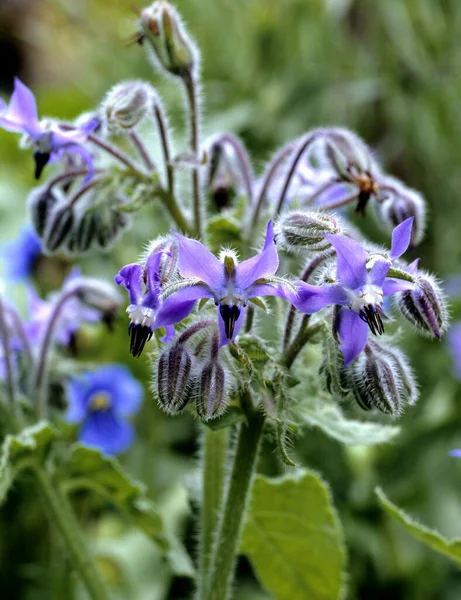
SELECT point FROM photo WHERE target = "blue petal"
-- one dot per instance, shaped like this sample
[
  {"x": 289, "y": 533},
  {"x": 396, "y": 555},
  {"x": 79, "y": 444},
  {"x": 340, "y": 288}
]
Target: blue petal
[
  {"x": 401, "y": 237},
  {"x": 180, "y": 304},
  {"x": 130, "y": 277},
  {"x": 21, "y": 254},
  {"x": 103, "y": 430},
  {"x": 312, "y": 298},
  {"x": 393, "y": 286},
  {"x": 353, "y": 333},
  {"x": 273, "y": 289},
  {"x": 197, "y": 262},
  {"x": 257, "y": 267},
  {"x": 77, "y": 398},
  {"x": 456, "y": 453},
  {"x": 378, "y": 272},
  {"x": 351, "y": 261}
]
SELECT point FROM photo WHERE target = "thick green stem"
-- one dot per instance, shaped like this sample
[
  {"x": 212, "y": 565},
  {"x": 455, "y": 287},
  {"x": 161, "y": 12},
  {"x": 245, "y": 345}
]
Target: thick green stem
[
  {"x": 214, "y": 460},
  {"x": 63, "y": 516},
  {"x": 232, "y": 518}
]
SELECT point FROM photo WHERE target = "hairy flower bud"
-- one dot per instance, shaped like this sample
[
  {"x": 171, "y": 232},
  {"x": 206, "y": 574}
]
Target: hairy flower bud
[
  {"x": 397, "y": 203},
  {"x": 211, "y": 399},
  {"x": 174, "y": 378},
  {"x": 41, "y": 202},
  {"x": 126, "y": 104},
  {"x": 96, "y": 293},
  {"x": 424, "y": 306},
  {"x": 381, "y": 378},
  {"x": 83, "y": 234},
  {"x": 346, "y": 153},
  {"x": 59, "y": 227},
  {"x": 161, "y": 26},
  {"x": 297, "y": 231}
]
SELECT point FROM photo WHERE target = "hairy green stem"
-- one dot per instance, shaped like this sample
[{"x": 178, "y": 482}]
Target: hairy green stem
[
  {"x": 176, "y": 213},
  {"x": 214, "y": 460},
  {"x": 63, "y": 516},
  {"x": 221, "y": 572},
  {"x": 191, "y": 90},
  {"x": 301, "y": 338},
  {"x": 163, "y": 132}
]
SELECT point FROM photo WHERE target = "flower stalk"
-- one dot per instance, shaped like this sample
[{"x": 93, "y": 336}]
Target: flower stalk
[{"x": 191, "y": 90}]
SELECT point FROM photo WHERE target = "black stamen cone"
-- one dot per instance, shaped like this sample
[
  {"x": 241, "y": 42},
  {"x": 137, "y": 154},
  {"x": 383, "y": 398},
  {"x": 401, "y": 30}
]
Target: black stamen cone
[
  {"x": 372, "y": 316},
  {"x": 362, "y": 203},
  {"x": 230, "y": 314},
  {"x": 41, "y": 160},
  {"x": 139, "y": 335}
]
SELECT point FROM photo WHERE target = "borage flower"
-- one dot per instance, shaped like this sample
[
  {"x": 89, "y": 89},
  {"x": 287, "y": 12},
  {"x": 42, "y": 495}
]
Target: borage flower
[
  {"x": 358, "y": 291},
  {"x": 145, "y": 301},
  {"x": 48, "y": 140},
  {"x": 102, "y": 401},
  {"x": 20, "y": 255},
  {"x": 229, "y": 284}
]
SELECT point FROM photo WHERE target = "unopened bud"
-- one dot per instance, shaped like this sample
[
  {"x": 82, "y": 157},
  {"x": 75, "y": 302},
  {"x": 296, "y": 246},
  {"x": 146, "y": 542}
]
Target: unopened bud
[
  {"x": 126, "y": 104},
  {"x": 297, "y": 231},
  {"x": 424, "y": 306},
  {"x": 161, "y": 27},
  {"x": 59, "y": 227},
  {"x": 96, "y": 293},
  {"x": 83, "y": 234},
  {"x": 174, "y": 378},
  {"x": 41, "y": 202},
  {"x": 211, "y": 400},
  {"x": 169, "y": 248},
  {"x": 399, "y": 204},
  {"x": 381, "y": 379}
]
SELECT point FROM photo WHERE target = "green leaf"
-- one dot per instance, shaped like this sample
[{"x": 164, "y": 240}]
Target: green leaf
[
  {"x": 294, "y": 539},
  {"x": 18, "y": 451},
  {"x": 223, "y": 230},
  {"x": 88, "y": 468},
  {"x": 330, "y": 419},
  {"x": 430, "y": 537}
]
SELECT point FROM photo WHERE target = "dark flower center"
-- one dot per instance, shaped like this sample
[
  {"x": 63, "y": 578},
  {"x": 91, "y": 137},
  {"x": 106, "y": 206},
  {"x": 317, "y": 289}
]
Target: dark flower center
[
  {"x": 372, "y": 315},
  {"x": 41, "y": 160},
  {"x": 139, "y": 335},
  {"x": 230, "y": 314}
]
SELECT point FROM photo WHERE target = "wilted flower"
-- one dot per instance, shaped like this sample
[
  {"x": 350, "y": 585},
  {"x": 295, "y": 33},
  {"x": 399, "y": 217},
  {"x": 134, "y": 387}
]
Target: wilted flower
[
  {"x": 20, "y": 255},
  {"x": 358, "y": 291},
  {"x": 229, "y": 284},
  {"x": 48, "y": 140},
  {"x": 102, "y": 401}
]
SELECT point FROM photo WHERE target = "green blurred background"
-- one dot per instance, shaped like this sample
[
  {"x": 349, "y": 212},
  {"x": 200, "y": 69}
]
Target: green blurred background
[{"x": 272, "y": 69}]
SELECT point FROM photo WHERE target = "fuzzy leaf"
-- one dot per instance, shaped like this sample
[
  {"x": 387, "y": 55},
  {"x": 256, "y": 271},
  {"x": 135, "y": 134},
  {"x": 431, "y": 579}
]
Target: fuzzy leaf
[
  {"x": 19, "y": 450},
  {"x": 294, "y": 539},
  {"x": 430, "y": 537},
  {"x": 330, "y": 419}
]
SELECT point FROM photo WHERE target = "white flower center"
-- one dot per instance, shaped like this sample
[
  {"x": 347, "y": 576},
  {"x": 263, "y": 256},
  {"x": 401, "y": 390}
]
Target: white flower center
[{"x": 141, "y": 315}]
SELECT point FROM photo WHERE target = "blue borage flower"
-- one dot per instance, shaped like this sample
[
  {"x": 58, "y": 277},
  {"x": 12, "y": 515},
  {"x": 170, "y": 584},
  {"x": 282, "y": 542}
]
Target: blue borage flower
[
  {"x": 358, "y": 291},
  {"x": 229, "y": 284},
  {"x": 49, "y": 141},
  {"x": 102, "y": 401},
  {"x": 20, "y": 255},
  {"x": 145, "y": 302}
]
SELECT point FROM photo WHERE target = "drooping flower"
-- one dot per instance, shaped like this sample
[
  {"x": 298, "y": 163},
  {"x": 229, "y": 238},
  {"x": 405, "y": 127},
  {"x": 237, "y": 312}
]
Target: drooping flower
[
  {"x": 229, "y": 284},
  {"x": 358, "y": 291},
  {"x": 48, "y": 139},
  {"x": 145, "y": 301},
  {"x": 20, "y": 255},
  {"x": 74, "y": 314},
  {"x": 102, "y": 401}
]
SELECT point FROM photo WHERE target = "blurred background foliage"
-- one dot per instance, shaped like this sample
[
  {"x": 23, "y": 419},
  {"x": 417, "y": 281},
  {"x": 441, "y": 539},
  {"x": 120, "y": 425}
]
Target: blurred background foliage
[{"x": 391, "y": 70}]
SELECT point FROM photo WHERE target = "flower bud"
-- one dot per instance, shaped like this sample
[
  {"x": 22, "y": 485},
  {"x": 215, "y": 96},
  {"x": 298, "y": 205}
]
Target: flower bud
[
  {"x": 381, "y": 378},
  {"x": 96, "y": 293},
  {"x": 83, "y": 234},
  {"x": 126, "y": 104},
  {"x": 424, "y": 306},
  {"x": 59, "y": 227},
  {"x": 161, "y": 26},
  {"x": 297, "y": 231},
  {"x": 398, "y": 204},
  {"x": 346, "y": 153},
  {"x": 174, "y": 378},
  {"x": 210, "y": 401},
  {"x": 41, "y": 202}
]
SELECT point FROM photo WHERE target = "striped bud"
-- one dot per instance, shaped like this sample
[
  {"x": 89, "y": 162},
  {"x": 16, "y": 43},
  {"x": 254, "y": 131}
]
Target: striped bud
[
  {"x": 161, "y": 27},
  {"x": 297, "y": 231},
  {"x": 83, "y": 234},
  {"x": 59, "y": 227},
  {"x": 210, "y": 402},
  {"x": 41, "y": 202},
  {"x": 398, "y": 203},
  {"x": 424, "y": 306},
  {"x": 126, "y": 104},
  {"x": 381, "y": 379},
  {"x": 174, "y": 378}
]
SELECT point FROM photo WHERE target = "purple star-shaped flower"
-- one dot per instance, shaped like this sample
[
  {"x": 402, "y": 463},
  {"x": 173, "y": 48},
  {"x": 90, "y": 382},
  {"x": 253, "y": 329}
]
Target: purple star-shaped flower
[
  {"x": 21, "y": 254},
  {"x": 145, "y": 301},
  {"x": 229, "y": 284},
  {"x": 102, "y": 401},
  {"x": 49, "y": 141},
  {"x": 359, "y": 291}
]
